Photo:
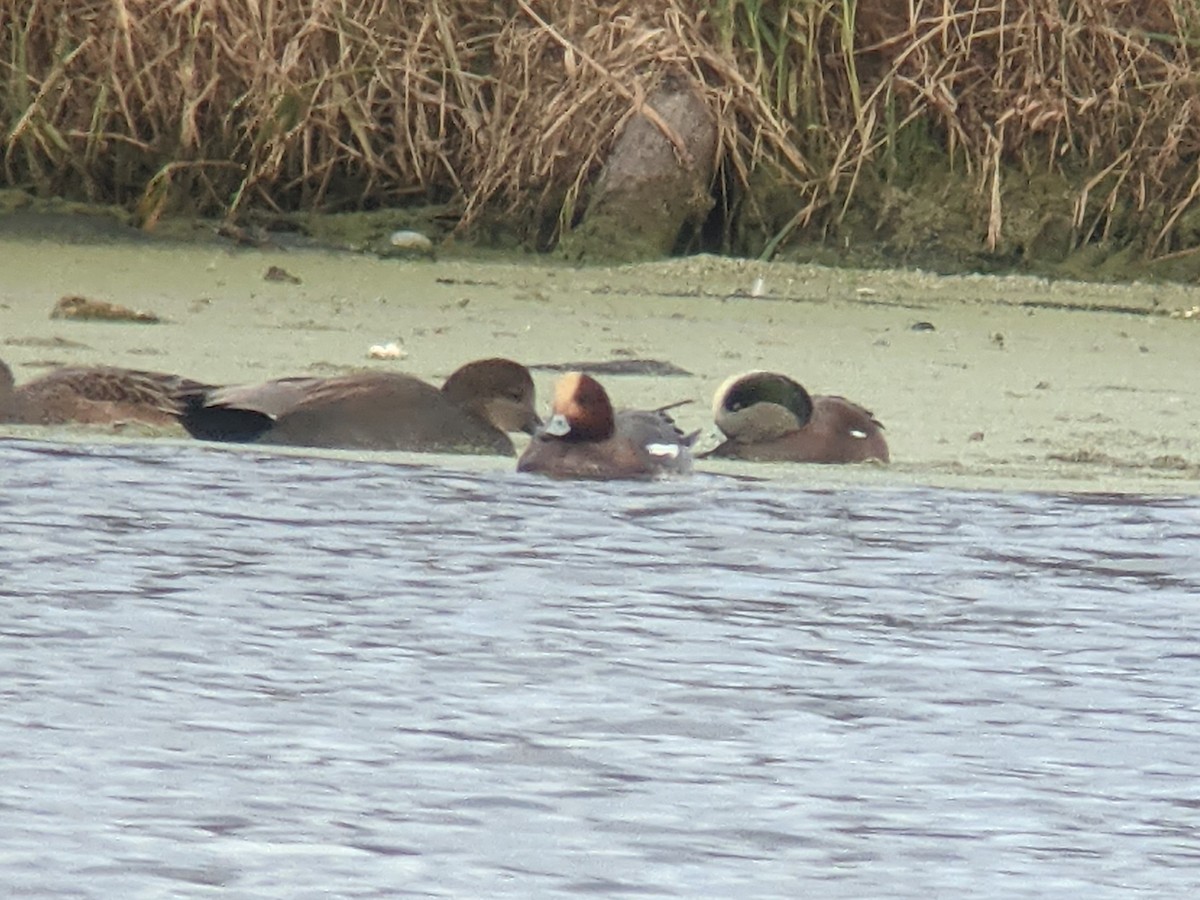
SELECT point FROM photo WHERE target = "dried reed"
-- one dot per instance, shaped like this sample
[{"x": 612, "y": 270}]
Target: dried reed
[{"x": 507, "y": 107}]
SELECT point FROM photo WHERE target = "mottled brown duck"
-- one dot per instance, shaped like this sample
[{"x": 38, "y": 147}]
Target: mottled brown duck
[{"x": 93, "y": 395}]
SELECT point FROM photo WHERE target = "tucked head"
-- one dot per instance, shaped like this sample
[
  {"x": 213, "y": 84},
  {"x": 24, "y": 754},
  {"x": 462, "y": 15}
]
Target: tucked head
[
  {"x": 761, "y": 405},
  {"x": 498, "y": 390},
  {"x": 581, "y": 410}
]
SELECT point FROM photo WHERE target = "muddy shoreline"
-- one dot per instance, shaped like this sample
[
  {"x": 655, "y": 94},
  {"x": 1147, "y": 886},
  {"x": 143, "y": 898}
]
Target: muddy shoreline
[{"x": 982, "y": 382}]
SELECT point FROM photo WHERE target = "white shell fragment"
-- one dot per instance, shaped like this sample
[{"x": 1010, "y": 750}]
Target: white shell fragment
[{"x": 391, "y": 350}]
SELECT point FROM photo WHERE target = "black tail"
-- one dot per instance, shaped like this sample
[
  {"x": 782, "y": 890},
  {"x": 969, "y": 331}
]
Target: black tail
[{"x": 219, "y": 423}]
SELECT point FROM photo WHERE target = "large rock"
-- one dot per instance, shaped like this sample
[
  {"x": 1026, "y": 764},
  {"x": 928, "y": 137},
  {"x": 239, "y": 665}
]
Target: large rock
[{"x": 654, "y": 190}]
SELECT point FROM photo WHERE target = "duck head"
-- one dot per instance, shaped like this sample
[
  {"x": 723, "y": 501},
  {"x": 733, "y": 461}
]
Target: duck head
[
  {"x": 760, "y": 406},
  {"x": 498, "y": 390},
  {"x": 581, "y": 409}
]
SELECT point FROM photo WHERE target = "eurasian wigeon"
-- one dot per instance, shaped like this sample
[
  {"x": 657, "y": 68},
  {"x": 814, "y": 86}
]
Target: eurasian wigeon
[
  {"x": 374, "y": 411},
  {"x": 93, "y": 395},
  {"x": 768, "y": 417},
  {"x": 584, "y": 438}
]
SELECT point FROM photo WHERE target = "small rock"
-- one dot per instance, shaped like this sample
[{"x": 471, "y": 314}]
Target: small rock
[
  {"x": 86, "y": 309},
  {"x": 248, "y": 236},
  {"x": 275, "y": 273},
  {"x": 409, "y": 243}
]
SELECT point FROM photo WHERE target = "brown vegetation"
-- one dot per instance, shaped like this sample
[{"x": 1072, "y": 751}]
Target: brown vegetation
[{"x": 508, "y": 107}]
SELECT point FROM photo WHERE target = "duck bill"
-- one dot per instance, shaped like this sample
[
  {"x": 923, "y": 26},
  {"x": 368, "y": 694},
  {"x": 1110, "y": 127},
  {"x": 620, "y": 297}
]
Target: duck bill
[{"x": 558, "y": 426}]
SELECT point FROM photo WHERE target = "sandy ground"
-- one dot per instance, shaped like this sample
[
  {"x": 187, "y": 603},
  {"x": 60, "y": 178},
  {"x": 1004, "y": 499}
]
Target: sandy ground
[{"x": 1020, "y": 384}]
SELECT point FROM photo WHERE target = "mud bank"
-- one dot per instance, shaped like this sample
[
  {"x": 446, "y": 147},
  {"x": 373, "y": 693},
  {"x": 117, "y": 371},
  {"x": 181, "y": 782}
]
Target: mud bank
[{"x": 981, "y": 381}]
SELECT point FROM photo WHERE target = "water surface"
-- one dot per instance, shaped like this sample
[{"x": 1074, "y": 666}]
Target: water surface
[{"x": 234, "y": 674}]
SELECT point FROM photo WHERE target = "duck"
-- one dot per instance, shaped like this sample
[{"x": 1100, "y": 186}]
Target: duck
[
  {"x": 769, "y": 417},
  {"x": 93, "y": 395},
  {"x": 585, "y": 438},
  {"x": 471, "y": 413}
]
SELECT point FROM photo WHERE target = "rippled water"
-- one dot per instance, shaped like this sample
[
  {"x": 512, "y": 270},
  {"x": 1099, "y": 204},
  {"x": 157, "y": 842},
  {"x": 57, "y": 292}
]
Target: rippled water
[{"x": 270, "y": 676}]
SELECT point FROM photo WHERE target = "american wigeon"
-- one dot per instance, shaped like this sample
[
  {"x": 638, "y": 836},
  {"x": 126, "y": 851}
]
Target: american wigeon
[
  {"x": 374, "y": 411},
  {"x": 584, "y": 438},
  {"x": 768, "y": 417},
  {"x": 95, "y": 395}
]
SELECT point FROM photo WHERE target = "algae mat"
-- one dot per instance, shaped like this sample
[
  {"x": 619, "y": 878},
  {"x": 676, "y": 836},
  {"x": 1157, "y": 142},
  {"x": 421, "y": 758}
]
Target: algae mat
[{"x": 981, "y": 381}]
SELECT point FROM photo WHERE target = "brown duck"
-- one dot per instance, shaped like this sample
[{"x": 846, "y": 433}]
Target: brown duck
[
  {"x": 768, "y": 417},
  {"x": 96, "y": 395},
  {"x": 373, "y": 411},
  {"x": 585, "y": 438}
]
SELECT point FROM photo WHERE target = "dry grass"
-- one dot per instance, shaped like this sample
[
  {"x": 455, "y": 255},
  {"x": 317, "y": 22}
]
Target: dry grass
[
  {"x": 1100, "y": 89},
  {"x": 508, "y": 108}
]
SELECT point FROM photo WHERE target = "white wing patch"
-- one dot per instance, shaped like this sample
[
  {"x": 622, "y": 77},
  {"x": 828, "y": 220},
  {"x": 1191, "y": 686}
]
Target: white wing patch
[{"x": 670, "y": 451}]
